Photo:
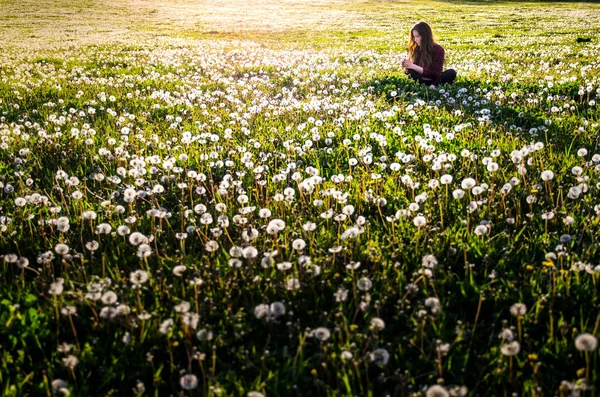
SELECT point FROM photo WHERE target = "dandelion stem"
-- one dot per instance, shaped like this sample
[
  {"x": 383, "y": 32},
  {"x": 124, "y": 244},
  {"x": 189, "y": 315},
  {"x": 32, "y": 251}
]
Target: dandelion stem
[
  {"x": 172, "y": 366},
  {"x": 74, "y": 332},
  {"x": 510, "y": 364},
  {"x": 57, "y": 317},
  {"x": 587, "y": 367},
  {"x": 439, "y": 362},
  {"x": 477, "y": 314}
]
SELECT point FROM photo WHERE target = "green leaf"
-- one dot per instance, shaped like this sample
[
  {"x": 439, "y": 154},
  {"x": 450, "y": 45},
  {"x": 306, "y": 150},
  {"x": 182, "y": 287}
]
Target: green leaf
[{"x": 30, "y": 298}]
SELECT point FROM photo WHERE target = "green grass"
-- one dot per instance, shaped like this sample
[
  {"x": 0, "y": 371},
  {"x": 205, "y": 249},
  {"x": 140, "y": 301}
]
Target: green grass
[{"x": 183, "y": 116}]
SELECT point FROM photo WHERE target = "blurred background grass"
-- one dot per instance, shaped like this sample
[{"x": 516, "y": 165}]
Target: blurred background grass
[{"x": 40, "y": 26}]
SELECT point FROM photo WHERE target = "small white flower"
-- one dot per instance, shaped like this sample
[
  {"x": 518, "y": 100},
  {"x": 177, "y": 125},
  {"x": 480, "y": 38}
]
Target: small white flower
[
  {"x": 292, "y": 284},
  {"x": 586, "y": 342},
  {"x": 458, "y": 194},
  {"x": 204, "y": 335},
  {"x": 179, "y": 270},
  {"x": 298, "y": 244},
  {"x": 182, "y": 307},
  {"x": 68, "y": 310},
  {"x": 188, "y": 382},
  {"x": 437, "y": 391},
  {"x": 446, "y": 179},
  {"x": 275, "y": 226},
  {"x": 433, "y": 304},
  {"x": 506, "y": 335},
  {"x": 61, "y": 249},
  {"x": 103, "y": 228},
  {"x": 284, "y": 266},
  {"x": 547, "y": 175},
  {"x": 211, "y": 246},
  {"x": 109, "y": 298},
  {"x": 144, "y": 251},
  {"x": 249, "y": 252},
  {"x": 138, "y": 277},
  {"x": 56, "y": 288},
  {"x": 264, "y": 213},
  {"x": 137, "y": 238},
  {"x": 377, "y": 324},
  {"x": 277, "y": 309},
  {"x": 20, "y": 202},
  {"x": 60, "y": 386},
  {"x": 190, "y": 319},
  {"x": 419, "y": 221},
  {"x": 480, "y": 230},
  {"x": 341, "y": 295},
  {"x": 379, "y": 357},
  {"x": 166, "y": 326},
  {"x": 70, "y": 361},
  {"x": 518, "y": 309},
  {"x": 364, "y": 284},
  {"x": 468, "y": 183},
  {"x": 255, "y": 394},
  {"x": 261, "y": 311},
  {"x": 511, "y": 348},
  {"x": 321, "y": 333},
  {"x": 429, "y": 262}
]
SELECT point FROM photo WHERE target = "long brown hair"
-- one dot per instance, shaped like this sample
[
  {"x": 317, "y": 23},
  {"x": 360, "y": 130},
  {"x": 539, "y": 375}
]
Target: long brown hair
[{"x": 421, "y": 55}]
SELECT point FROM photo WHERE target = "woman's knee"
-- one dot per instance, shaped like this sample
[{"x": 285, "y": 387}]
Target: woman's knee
[{"x": 414, "y": 75}]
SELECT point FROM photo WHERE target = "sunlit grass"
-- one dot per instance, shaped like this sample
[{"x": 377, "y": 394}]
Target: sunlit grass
[{"x": 192, "y": 205}]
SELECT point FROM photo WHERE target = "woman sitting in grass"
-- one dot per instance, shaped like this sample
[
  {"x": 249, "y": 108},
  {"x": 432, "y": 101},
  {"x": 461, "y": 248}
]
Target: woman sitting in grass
[{"x": 426, "y": 58}]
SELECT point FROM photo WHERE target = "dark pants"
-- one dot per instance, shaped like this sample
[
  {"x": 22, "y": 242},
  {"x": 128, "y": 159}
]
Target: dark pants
[{"x": 447, "y": 76}]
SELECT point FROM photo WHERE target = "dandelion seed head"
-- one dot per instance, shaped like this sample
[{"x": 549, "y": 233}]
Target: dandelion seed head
[
  {"x": 364, "y": 284},
  {"x": 137, "y": 238},
  {"x": 188, "y": 382},
  {"x": 437, "y": 391},
  {"x": 467, "y": 183},
  {"x": 419, "y": 221},
  {"x": 60, "y": 386},
  {"x": 321, "y": 334},
  {"x": 179, "y": 270},
  {"x": 586, "y": 342},
  {"x": 144, "y": 251},
  {"x": 511, "y": 348},
  {"x": 298, "y": 244},
  {"x": 379, "y": 357},
  {"x": 518, "y": 309},
  {"x": 377, "y": 324},
  {"x": 61, "y": 249}
]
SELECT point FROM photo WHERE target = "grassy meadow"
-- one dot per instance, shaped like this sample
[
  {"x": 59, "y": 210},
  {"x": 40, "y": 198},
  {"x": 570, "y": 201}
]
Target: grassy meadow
[{"x": 249, "y": 198}]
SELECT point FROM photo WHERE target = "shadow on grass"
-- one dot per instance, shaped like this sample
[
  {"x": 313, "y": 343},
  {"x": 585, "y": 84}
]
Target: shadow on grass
[{"x": 522, "y": 117}]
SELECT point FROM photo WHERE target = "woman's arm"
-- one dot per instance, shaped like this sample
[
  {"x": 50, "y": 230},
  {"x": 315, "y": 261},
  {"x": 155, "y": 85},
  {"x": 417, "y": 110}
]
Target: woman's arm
[{"x": 412, "y": 66}]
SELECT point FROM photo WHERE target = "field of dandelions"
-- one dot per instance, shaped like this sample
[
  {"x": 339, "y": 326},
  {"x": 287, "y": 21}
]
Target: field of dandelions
[{"x": 229, "y": 218}]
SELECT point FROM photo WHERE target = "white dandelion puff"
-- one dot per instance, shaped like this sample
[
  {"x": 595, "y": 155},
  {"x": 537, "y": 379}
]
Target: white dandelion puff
[
  {"x": 511, "y": 348},
  {"x": 437, "y": 391},
  {"x": 379, "y": 357},
  {"x": 586, "y": 342},
  {"x": 321, "y": 334},
  {"x": 188, "y": 382}
]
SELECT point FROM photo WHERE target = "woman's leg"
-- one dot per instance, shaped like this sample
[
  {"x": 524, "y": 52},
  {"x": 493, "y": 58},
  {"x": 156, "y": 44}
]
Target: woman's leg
[
  {"x": 447, "y": 77},
  {"x": 417, "y": 77}
]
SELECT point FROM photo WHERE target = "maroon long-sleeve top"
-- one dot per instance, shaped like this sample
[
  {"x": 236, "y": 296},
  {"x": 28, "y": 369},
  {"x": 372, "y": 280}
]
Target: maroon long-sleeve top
[{"x": 437, "y": 63}]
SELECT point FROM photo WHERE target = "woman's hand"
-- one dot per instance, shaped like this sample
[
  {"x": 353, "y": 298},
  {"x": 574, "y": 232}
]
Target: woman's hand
[{"x": 406, "y": 63}]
